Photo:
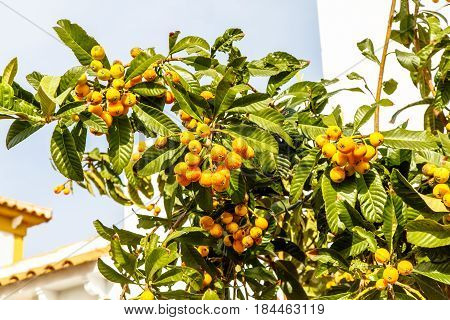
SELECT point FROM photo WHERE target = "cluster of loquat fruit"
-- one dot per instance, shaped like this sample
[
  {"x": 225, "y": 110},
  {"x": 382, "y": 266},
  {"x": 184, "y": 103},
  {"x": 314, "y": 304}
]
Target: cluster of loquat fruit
[
  {"x": 236, "y": 229},
  {"x": 216, "y": 172},
  {"x": 346, "y": 155},
  {"x": 440, "y": 176},
  {"x": 390, "y": 273},
  {"x": 62, "y": 188},
  {"x": 115, "y": 99}
]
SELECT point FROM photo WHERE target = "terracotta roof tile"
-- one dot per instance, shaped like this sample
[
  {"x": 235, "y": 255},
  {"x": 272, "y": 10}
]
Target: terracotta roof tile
[{"x": 40, "y": 212}]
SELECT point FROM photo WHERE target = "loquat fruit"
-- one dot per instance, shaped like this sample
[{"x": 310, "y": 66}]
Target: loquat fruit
[
  {"x": 216, "y": 231},
  {"x": 239, "y": 146},
  {"x": 75, "y": 117},
  {"x": 160, "y": 142},
  {"x": 95, "y": 109},
  {"x": 117, "y": 71},
  {"x": 128, "y": 100},
  {"x": 446, "y": 200},
  {"x": 376, "y": 139},
  {"x": 96, "y": 97},
  {"x": 207, "y": 279},
  {"x": 346, "y": 145},
  {"x": 249, "y": 154},
  {"x": 181, "y": 168},
  {"x": 428, "y": 169},
  {"x": 82, "y": 79},
  {"x": 362, "y": 167},
  {"x": 135, "y": 52},
  {"x": 142, "y": 146},
  {"x": 206, "y": 179},
  {"x": 186, "y": 137},
  {"x": 112, "y": 95},
  {"x": 321, "y": 140},
  {"x": 203, "y": 250},
  {"x": 233, "y": 161},
  {"x": 337, "y": 174},
  {"x": 135, "y": 156},
  {"x": 116, "y": 109},
  {"x": 107, "y": 118},
  {"x": 261, "y": 223},
  {"x": 157, "y": 210},
  {"x": 228, "y": 241},
  {"x": 370, "y": 153},
  {"x": 192, "y": 159},
  {"x": 405, "y": 267},
  {"x": 232, "y": 227},
  {"x": 241, "y": 210},
  {"x": 170, "y": 97},
  {"x": 256, "y": 232},
  {"x": 339, "y": 159},
  {"x": 147, "y": 295},
  {"x": 103, "y": 74},
  {"x": 66, "y": 191},
  {"x": 58, "y": 189},
  {"x": 238, "y": 246},
  {"x": 150, "y": 74},
  {"x": 182, "y": 180},
  {"x": 247, "y": 241},
  {"x": 382, "y": 255},
  {"x": 97, "y": 52},
  {"x": 390, "y": 275},
  {"x": 207, "y": 95},
  {"x": 193, "y": 174},
  {"x": 440, "y": 190},
  {"x": 203, "y": 130},
  {"x": 174, "y": 76},
  {"x": 349, "y": 170},
  {"x": 328, "y": 150},
  {"x": 333, "y": 132},
  {"x": 96, "y": 65},
  {"x": 381, "y": 284},
  {"x": 195, "y": 146},
  {"x": 360, "y": 150},
  {"x": 218, "y": 153},
  {"x": 239, "y": 234},
  {"x": 82, "y": 90},
  {"x": 226, "y": 217},
  {"x": 206, "y": 222},
  {"x": 441, "y": 175}
]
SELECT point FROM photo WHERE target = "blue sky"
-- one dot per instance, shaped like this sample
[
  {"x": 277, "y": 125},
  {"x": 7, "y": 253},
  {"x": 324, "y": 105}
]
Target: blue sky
[{"x": 27, "y": 33}]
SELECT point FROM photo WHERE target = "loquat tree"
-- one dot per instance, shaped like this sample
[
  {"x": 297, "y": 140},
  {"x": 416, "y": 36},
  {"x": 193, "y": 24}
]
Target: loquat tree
[{"x": 263, "y": 193}]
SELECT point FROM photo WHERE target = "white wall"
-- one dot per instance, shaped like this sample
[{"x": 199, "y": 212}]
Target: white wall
[
  {"x": 6, "y": 248},
  {"x": 344, "y": 23}
]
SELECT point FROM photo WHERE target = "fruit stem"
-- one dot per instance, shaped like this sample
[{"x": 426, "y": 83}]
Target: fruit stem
[
  {"x": 363, "y": 292},
  {"x": 382, "y": 65}
]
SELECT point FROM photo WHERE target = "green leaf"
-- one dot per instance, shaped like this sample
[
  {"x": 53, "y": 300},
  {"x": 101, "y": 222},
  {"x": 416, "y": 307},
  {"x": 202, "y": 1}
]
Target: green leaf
[
  {"x": 301, "y": 172},
  {"x": 408, "y": 60},
  {"x": 79, "y": 133},
  {"x": 19, "y": 131},
  {"x": 411, "y": 140},
  {"x": 362, "y": 115},
  {"x": 371, "y": 195},
  {"x": 250, "y": 103},
  {"x": 141, "y": 63},
  {"x": 368, "y": 236},
  {"x": 439, "y": 272},
  {"x": 65, "y": 155},
  {"x": 181, "y": 232},
  {"x": 93, "y": 121},
  {"x": 103, "y": 231},
  {"x": 326, "y": 255},
  {"x": 224, "y": 43},
  {"x": 367, "y": 50},
  {"x": 210, "y": 295},
  {"x": 190, "y": 276},
  {"x": 390, "y": 86},
  {"x": 71, "y": 108},
  {"x": 149, "y": 89},
  {"x": 428, "y": 233},
  {"x": 46, "y": 93},
  {"x": 310, "y": 131},
  {"x": 333, "y": 194},
  {"x": 120, "y": 139},
  {"x": 78, "y": 41},
  {"x": 389, "y": 223},
  {"x": 34, "y": 79},
  {"x": 287, "y": 272},
  {"x": 417, "y": 201},
  {"x": 6, "y": 96},
  {"x": 126, "y": 260},
  {"x": 185, "y": 103},
  {"x": 223, "y": 103},
  {"x": 256, "y": 138},
  {"x": 70, "y": 78},
  {"x": 155, "y": 160},
  {"x": 190, "y": 42},
  {"x": 159, "y": 258},
  {"x": 10, "y": 72},
  {"x": 111, "y": 274},
  {"x": 155, "y": 120},
  {"x": 271, "y": 120}
]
